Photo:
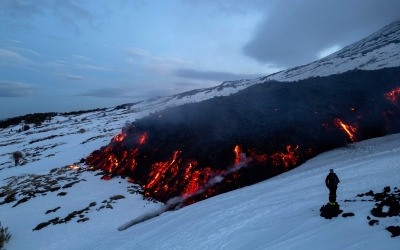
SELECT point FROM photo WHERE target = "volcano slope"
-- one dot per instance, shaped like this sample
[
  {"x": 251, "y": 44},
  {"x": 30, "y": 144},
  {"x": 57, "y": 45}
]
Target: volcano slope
[{"x": 200, "y": 150}]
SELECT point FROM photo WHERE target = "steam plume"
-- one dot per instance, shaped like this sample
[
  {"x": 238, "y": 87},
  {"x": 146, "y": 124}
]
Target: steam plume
[{"x": 177, "y": 202}]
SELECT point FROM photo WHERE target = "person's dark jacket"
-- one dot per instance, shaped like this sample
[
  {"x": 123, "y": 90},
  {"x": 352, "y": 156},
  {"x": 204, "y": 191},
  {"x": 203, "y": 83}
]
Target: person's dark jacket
[{"x": 332, "y": 180}]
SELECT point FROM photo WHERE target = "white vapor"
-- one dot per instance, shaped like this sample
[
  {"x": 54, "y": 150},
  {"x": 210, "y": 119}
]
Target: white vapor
[{"x": 177, "y": 202}]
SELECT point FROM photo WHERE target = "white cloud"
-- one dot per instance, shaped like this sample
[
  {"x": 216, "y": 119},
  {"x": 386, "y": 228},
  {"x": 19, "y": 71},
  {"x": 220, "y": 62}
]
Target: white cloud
[
  {"x": 75, "y": 77},
  {"x": 84, "y": 58},
  {"x": 328, "y": 51},
  {"x": 11, "y": 57},
  {"x": 91, "y": 67},
  {"x": 16, "y": 89},
  {"x": 138, "y": 52}
]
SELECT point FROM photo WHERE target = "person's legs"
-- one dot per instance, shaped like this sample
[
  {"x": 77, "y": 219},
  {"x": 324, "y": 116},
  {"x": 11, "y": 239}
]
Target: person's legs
[{"x": 332, "y": 194}]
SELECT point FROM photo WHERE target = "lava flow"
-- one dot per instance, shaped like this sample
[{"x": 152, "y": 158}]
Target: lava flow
[
  {"x": 348, "y": 129},
  {"x": 393, "y": 96},
  {"x": 178, "y": 175}
]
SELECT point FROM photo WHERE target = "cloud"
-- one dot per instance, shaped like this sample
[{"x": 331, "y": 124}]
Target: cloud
[
  {"x": 16, "y": 89},
  {"x": 148, "y": 57},
  {"x": 24, "y": 50},
  {"x": 11, "y": 57},
  {"x": 328, "y": 51},
  {"x": 231, "y": 7},
  {"x": 294, "y": 32},
  {"x": 212, "y": 75},
  {"x": 91, "y": 67},
  {"x": 20, "y": 13},
  {"x": 157, "y": 64},
  {"x": 75, "y": 77},
  {"x": 138, "y": 52},
  {"x": 109, "y": 92},
  {"x": 133, "y": 93},
  {"x": 84, "y": 58}
]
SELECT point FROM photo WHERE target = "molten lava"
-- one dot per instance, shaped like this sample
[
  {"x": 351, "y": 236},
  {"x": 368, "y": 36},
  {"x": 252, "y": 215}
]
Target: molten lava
[
  {"x": 393, "y": 96},
  {"x": 179, "y": 175},
  {"x": 288, "y": 158},
  {"x": 348, "y": 129}
]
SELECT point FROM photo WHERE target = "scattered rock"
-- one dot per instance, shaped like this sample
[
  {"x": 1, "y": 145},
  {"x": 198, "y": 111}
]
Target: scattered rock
[
  {"x": 82, "y": 220},
  {"x": 389, "y": 203},
  {"x": 70, "y": 184},
  {"x": 9, "y": 198},
  {"x": 29, "y": 186},
  {"x": 45, "y": 224},
  {"x": 68, "y": 218},
  {"x": 117, "y": 197},
  {"x": 52, "y": 210},
  {"x": 329, "y": 210},
  {"x": 347, "y": 215},
  {"x": 25, "y": 199},
  {"x": 395, "y": 230},
  {"x": 373, "y": 222}
]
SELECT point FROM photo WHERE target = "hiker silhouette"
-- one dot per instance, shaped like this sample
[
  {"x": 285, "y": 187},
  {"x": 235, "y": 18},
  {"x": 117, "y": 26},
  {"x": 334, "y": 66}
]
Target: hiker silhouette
[{"x": 332, "y": 181}]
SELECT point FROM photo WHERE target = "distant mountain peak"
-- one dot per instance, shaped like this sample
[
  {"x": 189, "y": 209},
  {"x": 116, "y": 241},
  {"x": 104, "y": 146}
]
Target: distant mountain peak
[{"x": 378, "y": 50}]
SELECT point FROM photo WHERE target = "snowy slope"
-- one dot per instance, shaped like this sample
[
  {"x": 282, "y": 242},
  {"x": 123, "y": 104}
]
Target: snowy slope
[
  {"x": 279, "y": 213},
  {"x": 283, "y": 212}
]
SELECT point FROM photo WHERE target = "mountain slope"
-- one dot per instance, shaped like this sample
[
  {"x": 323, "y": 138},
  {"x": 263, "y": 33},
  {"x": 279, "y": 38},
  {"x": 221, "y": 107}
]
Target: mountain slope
[{"x": 379, "y": 50}]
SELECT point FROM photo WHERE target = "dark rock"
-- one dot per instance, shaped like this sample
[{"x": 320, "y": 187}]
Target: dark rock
[
  {"x": 370, "y": 193},
  {"x": 329, "y": 210},
  {"x": 25, "y": 199},
  {"x": 379, "y": 196},
  {"x": 10, "y": 198},
  {"x": 117, "y": 197},
  {"x": 389, "y": 201},
  {"x": 52, "y": 210},
  {"x": 373, "y": 222},
  {"x": 347, "y": 215},
  {"x": 53, "y": 189},
  {"x": 395, "y": 230},
  {"x": 82, "y": 220}
]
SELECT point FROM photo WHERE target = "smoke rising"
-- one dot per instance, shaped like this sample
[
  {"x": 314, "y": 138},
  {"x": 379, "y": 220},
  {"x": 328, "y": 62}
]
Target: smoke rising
[{"x": 176, "y": 203}]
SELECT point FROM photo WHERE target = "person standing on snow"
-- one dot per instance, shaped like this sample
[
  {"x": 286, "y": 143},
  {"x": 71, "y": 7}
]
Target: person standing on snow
[{"x": 332, "y": 182}]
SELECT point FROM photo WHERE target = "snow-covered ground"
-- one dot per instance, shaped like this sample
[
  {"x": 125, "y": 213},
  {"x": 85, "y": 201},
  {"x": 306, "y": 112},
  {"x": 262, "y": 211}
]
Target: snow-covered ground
[
  {"x": 283, "y": 212},
  {"x": 279, "y": 213}
]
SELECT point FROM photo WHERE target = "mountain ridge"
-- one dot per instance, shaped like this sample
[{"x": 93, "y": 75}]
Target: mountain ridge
[{"x": 379, "y": 50}]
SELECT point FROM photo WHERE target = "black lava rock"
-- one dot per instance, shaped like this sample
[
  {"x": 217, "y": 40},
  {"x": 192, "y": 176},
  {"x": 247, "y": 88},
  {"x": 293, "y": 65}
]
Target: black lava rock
[{"x": 330, "y": 210}]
